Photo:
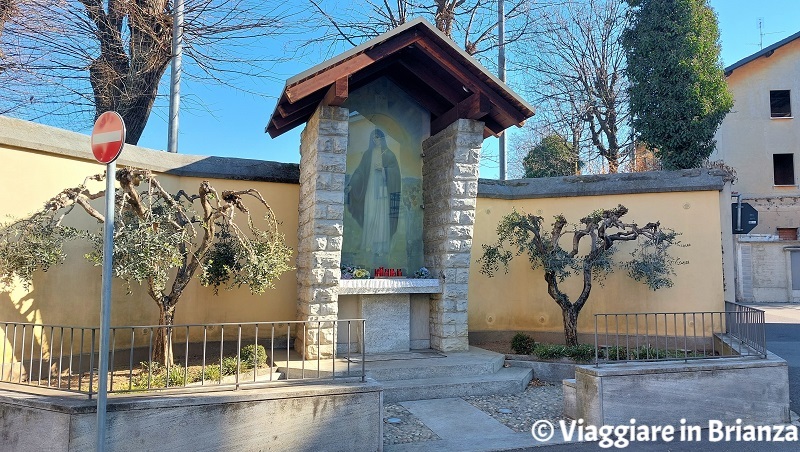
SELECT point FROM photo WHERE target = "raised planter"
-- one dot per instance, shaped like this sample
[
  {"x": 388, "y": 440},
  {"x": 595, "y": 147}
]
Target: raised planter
[
  {"x": 549, "y": 371},
  {"x": 725, "y": 389},
  {"x": 345, "y": 416}
]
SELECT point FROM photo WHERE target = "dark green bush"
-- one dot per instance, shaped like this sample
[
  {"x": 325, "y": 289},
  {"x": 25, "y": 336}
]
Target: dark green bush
[
  {"x": 522, "y": 344},
  {"x": 253, "y": 356},
  {"x": 581, "y": 352},
  {"x": 550, "y": 351},
  {"x": 228, "y": 366}
]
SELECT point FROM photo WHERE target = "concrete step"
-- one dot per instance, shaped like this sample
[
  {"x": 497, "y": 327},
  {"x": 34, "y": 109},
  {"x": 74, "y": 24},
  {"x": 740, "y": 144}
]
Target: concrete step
[
  {"x": 509, "y": 380},
  {"x": 452, "y": 366},
  {"x": 400, "y": 366}
]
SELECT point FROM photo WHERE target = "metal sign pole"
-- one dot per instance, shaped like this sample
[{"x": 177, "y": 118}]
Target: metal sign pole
[{"x": 105, "y": 306}]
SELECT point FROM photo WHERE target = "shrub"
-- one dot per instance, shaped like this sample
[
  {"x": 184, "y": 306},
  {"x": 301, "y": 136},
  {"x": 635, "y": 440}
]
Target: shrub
[
  {"x": 619, "y": 353},
  {"x": 522, "y": 344},
  {"x": 212, "y": 373},
  {"x": 253, "y": 356},
  {"x": 177, "y": 374},
  {"x": 228, "y": 366},
  {"x": 550, "y": 351},
  {"x": 156, "y": 375},
  {"x": 581, "y": 352}
]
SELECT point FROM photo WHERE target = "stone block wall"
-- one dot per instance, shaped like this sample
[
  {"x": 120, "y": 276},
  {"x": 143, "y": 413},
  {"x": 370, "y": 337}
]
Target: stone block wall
[
  {"x": 323, "y": 158},
  {"x": 449, "y": 187}
]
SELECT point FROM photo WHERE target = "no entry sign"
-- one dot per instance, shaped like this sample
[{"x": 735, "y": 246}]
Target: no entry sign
[{"x": 108, "y": 137}]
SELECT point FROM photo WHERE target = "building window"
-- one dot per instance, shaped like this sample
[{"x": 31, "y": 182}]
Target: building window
[
  {"x": 787, "y": 233},
  {"x": 783, "y": 168},
  {"x": 780, "y": 104}
]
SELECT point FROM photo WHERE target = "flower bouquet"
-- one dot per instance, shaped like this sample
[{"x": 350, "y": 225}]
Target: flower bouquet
[
  {"x": 422, "y": 273},
  {"x": 354, "y": 272}
]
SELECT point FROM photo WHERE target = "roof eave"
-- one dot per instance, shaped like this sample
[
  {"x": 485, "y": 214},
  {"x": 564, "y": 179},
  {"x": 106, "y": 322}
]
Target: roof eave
[{"x": 767, "y": 51}]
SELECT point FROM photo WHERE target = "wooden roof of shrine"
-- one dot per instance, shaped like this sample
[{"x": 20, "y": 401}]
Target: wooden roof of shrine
[{"x": 424, "y": 63}]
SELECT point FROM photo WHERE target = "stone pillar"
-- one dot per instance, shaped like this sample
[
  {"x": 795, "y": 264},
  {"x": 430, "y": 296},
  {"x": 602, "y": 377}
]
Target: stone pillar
[
  {"x": 323, "y": 158},
  {"x": 449, "y": 187}
]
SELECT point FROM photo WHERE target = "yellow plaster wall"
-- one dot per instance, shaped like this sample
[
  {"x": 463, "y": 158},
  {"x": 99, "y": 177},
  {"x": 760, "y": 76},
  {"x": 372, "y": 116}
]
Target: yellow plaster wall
[
  {"x": 518, "y": 301},
  {"x": 70, "y": 293}
]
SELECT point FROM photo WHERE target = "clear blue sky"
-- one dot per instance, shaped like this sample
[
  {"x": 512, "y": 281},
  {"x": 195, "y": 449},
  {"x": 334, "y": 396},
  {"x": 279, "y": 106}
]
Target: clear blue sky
[{"x": 231, "y": 123}]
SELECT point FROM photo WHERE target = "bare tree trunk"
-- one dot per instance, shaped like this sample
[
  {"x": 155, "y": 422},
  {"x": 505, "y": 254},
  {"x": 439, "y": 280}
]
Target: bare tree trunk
[
  {"x": 613, "y": 164},
  {"x": 570, "y": 314},
  {"x": 162, "y": 345}
]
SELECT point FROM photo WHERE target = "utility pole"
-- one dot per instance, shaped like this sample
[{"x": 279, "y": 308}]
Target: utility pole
[
  {"x": 175, "y": 75},
  {"x": 501, "y": 72}
]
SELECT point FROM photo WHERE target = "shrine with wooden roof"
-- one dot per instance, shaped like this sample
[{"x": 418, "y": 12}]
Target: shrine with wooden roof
[{"x": 389, "y": 166}]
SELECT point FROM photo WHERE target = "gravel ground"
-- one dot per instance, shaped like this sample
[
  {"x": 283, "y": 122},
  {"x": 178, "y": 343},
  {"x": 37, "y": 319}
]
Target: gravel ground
[
  {"x": 410, "y": 430},
  {"x": 539, "y": 401}
]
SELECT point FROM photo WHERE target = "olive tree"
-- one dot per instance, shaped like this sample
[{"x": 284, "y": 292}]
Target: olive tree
[
  {"x": 589, "y": 255},
  {"x": 160, "y": 241}
]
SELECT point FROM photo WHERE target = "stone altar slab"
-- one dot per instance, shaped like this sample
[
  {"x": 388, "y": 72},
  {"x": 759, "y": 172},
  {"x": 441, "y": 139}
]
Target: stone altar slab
[
  {"x": 388, "y": 318},
  {"x": 389, "y": 286}
]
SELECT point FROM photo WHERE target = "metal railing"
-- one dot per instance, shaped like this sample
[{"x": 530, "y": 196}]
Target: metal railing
[
  {"x": 680, "y": 336},
  {"x": 204, "y": 356},
  {"x": 747, "y": 324}
]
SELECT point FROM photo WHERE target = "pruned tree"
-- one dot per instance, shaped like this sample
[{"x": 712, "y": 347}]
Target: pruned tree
[
  {"x": 678, "y": 91},
  {"x": 575, "y": 73},
  {"x": 589, "y": 255},
  {"x": 71, "y": 60},
  {"x": 159, "y": 241}
]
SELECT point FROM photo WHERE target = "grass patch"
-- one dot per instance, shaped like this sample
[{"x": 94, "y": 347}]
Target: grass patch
[{"x": 155, "y": 375}]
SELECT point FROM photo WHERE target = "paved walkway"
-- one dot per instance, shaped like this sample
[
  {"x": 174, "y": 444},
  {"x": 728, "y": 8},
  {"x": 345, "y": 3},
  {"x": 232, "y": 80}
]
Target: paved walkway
[
  {"x": 783, "y": 339},
  {"x": 475, "y": 423},
  {"x": 458, "y": 425}
]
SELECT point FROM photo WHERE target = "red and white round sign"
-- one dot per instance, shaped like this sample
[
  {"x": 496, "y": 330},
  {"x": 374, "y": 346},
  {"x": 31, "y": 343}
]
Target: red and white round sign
[{"x": 108, "y": 137}]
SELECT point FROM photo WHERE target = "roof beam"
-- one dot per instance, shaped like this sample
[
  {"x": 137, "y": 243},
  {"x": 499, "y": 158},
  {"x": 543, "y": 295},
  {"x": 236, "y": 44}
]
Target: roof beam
[
  {"x": 448, "y": 91},
  {"x": 286, "y": 110},
  {"x": 475, "y": 107},
  {"x": 472, "y": 83},
  {"x": 330, "y": 75},
  {"x": 423, "y": 95},
  {"x": 337, "y": 93}
]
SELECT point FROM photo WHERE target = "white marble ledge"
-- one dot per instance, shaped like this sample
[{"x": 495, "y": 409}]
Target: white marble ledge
[{"x": 388, "y": 286}]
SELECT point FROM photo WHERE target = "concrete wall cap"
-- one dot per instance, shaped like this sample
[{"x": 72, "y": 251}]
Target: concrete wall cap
[
  {"x": 604, "y": 184},
  {"x": 54, "y": 400},
  {"x": 634, "y": 368}
]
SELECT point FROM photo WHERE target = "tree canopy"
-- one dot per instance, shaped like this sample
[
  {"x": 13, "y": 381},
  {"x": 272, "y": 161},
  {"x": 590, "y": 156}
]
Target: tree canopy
[
  {"x": 574, "y": 68},
  {"x": 678, "y": 93},
  {"x": 72, "y": 60},
  {"x": 160, "y": 240},
  {"x": 551, "y": 157}
]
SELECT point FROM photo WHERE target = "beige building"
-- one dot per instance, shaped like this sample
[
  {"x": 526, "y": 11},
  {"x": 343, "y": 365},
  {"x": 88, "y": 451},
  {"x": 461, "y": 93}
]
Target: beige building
[{"x": 760, "y": 138}]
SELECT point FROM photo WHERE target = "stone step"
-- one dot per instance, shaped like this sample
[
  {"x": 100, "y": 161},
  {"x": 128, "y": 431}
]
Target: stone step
[
  {"x": 570, "y": 408},
  {"x": 402, "y": 366},
  {"x": 510, "y": 380},
  {"x": 436, "y": 368}
]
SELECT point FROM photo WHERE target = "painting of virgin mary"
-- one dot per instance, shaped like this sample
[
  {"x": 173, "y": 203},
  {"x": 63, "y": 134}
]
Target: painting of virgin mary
[{"x": 374, "y": 197}]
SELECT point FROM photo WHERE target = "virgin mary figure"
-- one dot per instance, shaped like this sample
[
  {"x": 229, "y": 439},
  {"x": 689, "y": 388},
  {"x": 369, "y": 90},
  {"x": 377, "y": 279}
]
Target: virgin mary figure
[{"x": 374, "y": 199}]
